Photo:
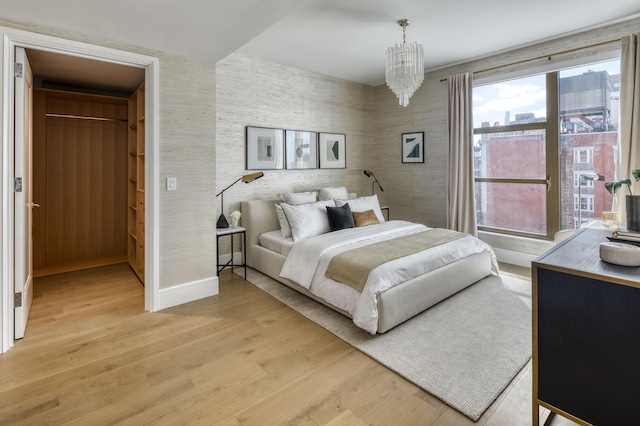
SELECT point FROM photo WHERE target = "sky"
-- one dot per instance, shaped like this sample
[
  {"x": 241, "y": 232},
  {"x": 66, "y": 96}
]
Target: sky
[{"x": 524, "y": 95}]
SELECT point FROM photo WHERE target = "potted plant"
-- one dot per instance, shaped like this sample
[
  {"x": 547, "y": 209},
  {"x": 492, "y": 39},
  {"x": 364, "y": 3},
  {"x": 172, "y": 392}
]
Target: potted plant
[{"x": 632, "y": 201}]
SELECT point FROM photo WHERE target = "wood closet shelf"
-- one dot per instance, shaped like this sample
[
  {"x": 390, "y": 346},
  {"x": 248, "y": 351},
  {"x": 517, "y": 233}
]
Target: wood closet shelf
[{"x": 136, "y": 168}]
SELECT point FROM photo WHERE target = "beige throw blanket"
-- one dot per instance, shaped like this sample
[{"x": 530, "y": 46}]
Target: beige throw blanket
[{"x": 352, "y": 267}]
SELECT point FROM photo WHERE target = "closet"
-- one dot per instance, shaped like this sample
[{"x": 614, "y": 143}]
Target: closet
[{"x": 81, "y": 175}]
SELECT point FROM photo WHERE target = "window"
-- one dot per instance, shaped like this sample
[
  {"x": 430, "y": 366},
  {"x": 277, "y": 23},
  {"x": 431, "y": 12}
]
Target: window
[
  {"x": 589, "y": 97},
  {"x": 534, "y": 137},
  {"x": 586, "y": 183},
  {"x": 511, "y": 180},
  {"x": 586, "y": 203},
  {"x": 583, "y": 155}
]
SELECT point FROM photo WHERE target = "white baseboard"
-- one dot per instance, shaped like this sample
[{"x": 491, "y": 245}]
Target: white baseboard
[
  {"x": 187, "y": 292},
  {"x": 514, "y": 257}
]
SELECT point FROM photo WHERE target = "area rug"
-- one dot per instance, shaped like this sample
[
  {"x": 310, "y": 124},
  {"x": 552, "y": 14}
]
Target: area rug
[{"x": 465, "y": 350}]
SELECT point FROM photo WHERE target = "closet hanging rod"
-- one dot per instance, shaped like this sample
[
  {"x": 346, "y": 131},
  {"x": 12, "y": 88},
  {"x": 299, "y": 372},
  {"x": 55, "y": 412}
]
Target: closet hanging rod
[{"x": 84, "y": 117}]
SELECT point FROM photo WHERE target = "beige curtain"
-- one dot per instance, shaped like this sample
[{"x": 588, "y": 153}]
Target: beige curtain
[
  {"x": 629, "y": 152},
  {"x": 461, "y": 203}
]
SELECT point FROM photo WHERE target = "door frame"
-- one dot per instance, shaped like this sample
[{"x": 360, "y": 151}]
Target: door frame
[{"x": 12, "y": 38}]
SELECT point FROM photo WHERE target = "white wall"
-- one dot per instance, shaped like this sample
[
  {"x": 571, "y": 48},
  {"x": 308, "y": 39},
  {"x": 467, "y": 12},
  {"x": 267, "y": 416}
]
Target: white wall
[
  {"x": 415, "y": 191},
  {"x": 254, "y": 92}
]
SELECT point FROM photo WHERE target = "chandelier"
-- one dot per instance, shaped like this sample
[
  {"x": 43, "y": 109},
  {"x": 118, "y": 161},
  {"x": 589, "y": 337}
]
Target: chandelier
[{"x": 404, "y": 67}]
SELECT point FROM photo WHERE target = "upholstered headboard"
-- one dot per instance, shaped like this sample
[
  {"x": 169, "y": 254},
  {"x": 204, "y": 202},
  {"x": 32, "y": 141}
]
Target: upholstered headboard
[{"x": 258, "y": 217}]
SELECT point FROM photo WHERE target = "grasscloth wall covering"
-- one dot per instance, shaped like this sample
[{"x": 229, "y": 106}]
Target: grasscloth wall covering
[
  {"x": 187, "y": 150},
  {"x": 253, "y": 92}
]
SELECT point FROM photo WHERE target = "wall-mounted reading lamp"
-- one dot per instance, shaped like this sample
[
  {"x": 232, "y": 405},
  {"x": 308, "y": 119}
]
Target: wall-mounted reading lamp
[
  {"x": 222, "y": 221},
  {"x": 582, "y": 177},
  {"x": 369, "y": 173}
]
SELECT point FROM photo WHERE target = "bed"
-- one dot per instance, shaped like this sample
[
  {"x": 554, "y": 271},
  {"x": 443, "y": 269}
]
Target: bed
[{"x": 383, "y": 308}]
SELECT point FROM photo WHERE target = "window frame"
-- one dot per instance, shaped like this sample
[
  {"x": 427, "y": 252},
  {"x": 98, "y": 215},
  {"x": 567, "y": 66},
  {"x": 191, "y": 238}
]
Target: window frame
[
  {"x": 551, "y": 127},
  {"x": 589, "y": 203},
  {"x": 576, "y": 155}
]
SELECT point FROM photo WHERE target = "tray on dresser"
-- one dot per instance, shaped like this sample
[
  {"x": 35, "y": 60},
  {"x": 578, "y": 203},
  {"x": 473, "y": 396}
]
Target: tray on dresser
[{"x": 625, "y": 237}]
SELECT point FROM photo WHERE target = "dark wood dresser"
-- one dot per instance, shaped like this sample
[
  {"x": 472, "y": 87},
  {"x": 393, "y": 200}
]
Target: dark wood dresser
[{"x": 586, "y": 334}]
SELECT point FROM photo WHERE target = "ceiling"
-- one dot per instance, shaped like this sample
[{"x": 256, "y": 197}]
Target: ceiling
[
  {"x": 341, "y": 38},
  {"x": 348, "y": 38},
  {"x": 57, "y": 71}
]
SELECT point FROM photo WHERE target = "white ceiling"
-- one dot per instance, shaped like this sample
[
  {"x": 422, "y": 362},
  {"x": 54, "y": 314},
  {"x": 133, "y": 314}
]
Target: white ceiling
[
  {"x": 341, "y": 38},
  {"x": 348, "y": 38}
]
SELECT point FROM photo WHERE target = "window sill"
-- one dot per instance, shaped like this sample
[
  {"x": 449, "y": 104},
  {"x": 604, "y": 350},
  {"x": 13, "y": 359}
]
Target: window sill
[{"x": 515, "y": 250}]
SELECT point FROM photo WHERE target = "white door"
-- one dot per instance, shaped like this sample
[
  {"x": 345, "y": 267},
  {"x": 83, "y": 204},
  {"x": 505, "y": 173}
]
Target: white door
[{"x": 23, "y": 279}]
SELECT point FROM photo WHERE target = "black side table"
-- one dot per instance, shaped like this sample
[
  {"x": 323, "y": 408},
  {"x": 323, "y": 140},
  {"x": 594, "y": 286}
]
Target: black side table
[{"x": 231, "y": 231}]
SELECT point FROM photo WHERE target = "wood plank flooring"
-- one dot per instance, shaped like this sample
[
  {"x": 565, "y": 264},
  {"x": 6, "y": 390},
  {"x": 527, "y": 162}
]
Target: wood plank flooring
[{"x": 92, "y": 356}]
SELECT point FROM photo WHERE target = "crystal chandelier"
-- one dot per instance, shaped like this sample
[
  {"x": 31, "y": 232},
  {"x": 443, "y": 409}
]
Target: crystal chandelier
[{"x": 404, "y": 68}]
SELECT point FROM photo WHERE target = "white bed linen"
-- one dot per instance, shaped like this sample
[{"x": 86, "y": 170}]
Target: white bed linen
[
  {"x": 308, "y": 260},
  {"x": 275, "y": 241}
]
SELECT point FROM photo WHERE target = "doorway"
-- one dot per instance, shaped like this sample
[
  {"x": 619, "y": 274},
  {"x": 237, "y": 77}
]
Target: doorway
[
  {"x": 73, "y": 51},
  {"x": 81, "y": 129}
]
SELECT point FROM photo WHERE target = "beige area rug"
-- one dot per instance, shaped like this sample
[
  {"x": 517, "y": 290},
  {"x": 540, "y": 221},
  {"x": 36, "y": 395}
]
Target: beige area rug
[{"x": 465, "y": 350}]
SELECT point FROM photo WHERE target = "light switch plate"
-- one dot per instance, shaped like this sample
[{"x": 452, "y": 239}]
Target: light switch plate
[{"x": 172, "y": 183}]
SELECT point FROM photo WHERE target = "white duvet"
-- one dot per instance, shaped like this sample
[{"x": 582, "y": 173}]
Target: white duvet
[{"x": 308, "y": 260}]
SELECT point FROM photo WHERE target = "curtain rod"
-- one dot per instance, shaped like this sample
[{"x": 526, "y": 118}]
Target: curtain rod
[
  {"x": 548, "y": 57},
  {"x": 85, "y": 117}
]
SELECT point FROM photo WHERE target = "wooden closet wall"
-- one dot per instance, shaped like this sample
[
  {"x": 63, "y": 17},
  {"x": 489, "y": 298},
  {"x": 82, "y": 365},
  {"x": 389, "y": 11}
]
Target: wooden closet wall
[{"x": 80, "y": 180}]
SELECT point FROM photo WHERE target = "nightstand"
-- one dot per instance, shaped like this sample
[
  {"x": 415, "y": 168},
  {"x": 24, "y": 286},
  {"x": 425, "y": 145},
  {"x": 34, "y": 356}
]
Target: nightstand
[{"x": 230, "y": 232}]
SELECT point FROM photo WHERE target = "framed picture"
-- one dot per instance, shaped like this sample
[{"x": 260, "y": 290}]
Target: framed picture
[
  {"x": 301, "y": 149},
  {"x": 332, "y": 150},
  {"x": 413, "y": 147},
  {"x": 265, "y": 148}
]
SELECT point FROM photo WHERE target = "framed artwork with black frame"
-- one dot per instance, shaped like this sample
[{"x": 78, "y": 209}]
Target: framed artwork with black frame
[
  {"x": 413, "y": 147},
  {"x": 264, "y": 148},
  {"x": 301, "y": 149},
  {"x": 332, "y": 150}
]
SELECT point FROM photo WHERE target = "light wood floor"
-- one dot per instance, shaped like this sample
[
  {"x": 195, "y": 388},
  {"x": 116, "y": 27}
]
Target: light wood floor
[{"x": 92, "y": 356}]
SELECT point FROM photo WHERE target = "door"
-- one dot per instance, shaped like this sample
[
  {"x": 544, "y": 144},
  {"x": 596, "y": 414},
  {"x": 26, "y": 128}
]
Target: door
[{"x": 23, "y": 204}]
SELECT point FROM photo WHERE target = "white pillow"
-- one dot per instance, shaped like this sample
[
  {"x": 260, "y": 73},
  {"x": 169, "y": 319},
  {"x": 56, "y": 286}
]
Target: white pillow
[
  {"x": 362, "y": 204},
  {"x": 308, "y": 220},
  {"x": 328, "y": 193},
  {"x": 298, "y": 197},
  {"x": 284, "y": 223}
]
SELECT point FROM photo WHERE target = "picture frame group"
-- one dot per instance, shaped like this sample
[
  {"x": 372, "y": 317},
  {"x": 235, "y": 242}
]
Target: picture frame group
[{"x": 272, "y": 149}]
